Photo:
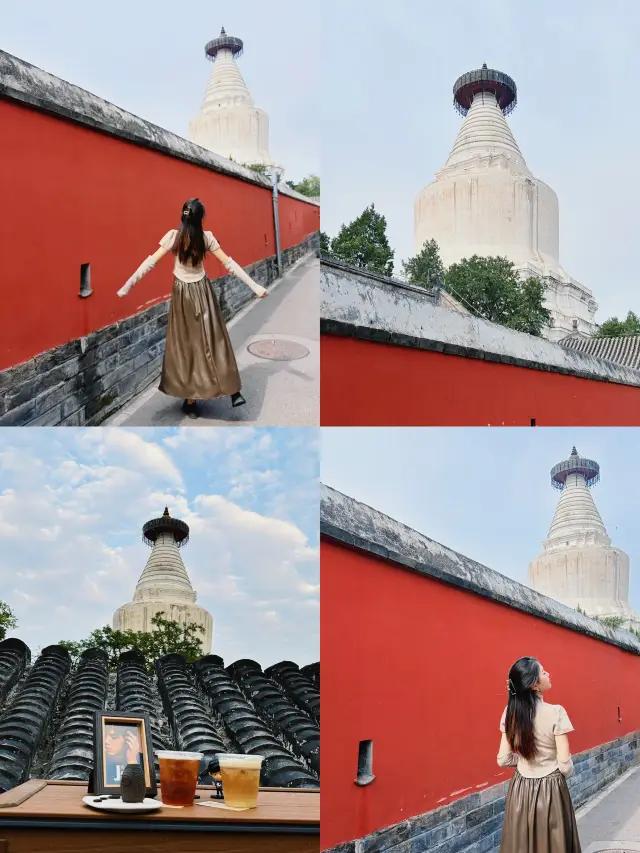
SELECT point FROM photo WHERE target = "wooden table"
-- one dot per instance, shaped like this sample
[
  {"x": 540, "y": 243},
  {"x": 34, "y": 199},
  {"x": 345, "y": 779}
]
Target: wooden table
[{"x": 50, "y": 817}]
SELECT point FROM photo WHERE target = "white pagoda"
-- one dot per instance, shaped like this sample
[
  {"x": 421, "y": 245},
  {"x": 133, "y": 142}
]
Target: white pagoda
[
  {"x": 229, "y": 124},
  {"x": 578, "y": 565},
  {"x": 164, "y": 584},
  {"x": 485, "y": 201}
]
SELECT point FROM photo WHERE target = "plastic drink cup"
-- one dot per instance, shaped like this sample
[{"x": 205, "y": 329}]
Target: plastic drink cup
[
  {"x": 240, "y": 779},
  {"x": 178, "y": 777}
]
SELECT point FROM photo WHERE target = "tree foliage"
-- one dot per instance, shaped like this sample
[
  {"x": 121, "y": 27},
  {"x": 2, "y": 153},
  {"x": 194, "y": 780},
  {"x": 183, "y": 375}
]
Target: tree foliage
[
  {"x": 309, "y": 186},
  {"x": 611, "y": 621},
  {"x": 8, "y": 620},
  {"x": 425, "y": 268},
  {"x": 491, "y": 288},
  {"x": 614, "y": 328},
  {"x": 325, "y": 243},
  {"x": 259, "y": 168},
  {"x": 169, "y": 637},
  {"x": 364, "y": 244}
]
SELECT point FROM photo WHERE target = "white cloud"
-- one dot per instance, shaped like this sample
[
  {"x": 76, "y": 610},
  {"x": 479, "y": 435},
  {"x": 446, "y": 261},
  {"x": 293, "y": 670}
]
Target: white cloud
[{"x": 70, "y": 533}]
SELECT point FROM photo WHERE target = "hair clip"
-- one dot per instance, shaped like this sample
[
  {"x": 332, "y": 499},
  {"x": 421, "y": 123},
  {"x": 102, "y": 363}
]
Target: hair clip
[{"x": 510, "y": 687}]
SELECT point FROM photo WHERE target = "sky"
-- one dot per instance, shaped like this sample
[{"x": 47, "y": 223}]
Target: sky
[
  {"x": 486, "y": 492},
  {"x": 388, "y": 122},
  {"x": 148, "y": 57},
  {"x": 73, "y": 503}
]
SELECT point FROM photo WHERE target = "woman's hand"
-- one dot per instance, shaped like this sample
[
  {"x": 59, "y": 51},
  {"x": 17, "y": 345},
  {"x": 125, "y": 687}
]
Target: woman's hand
[
  {"x": 133, "y": 747},
  {"x": 124, "y": 290}
]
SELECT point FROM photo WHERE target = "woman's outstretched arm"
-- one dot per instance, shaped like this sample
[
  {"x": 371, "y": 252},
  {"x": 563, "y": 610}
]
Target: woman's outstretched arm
[
  {"x": 565, "y": 762},
  {"x": 235, "y": 269},
  {"x": 506, "y": 758},
  {"x": 146, "y": 266}
]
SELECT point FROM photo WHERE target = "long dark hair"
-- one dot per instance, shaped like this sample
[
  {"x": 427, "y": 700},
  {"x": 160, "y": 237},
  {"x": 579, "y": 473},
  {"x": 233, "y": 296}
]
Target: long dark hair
[
  {"x": 522, "y": 706},
  {"x": 189, "y": 244}
]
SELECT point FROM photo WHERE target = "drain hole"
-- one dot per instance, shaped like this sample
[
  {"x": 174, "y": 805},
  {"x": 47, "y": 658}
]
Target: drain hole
[
  {"x": 365, "y": 763},
  {"x": 85, "y": 280}
]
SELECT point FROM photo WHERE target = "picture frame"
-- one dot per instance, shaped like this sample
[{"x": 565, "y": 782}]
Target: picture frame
[{"x": 117, "y": 739}]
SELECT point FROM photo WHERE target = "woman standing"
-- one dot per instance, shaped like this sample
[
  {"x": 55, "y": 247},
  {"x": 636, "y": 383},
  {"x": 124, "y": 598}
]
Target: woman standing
[
  {"x": 539, "y": 816},
  {"x": 199, "y": 362}
]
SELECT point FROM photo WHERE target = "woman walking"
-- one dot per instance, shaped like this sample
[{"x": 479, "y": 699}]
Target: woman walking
[
  {"x": 539, "y": 816},
  {"x": 199, "y": 362}
]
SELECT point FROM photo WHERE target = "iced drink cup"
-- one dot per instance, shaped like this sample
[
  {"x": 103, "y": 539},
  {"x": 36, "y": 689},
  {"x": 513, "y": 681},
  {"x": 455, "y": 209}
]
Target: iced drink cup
[
  {"x": 178, "y": 777},
  {"x": 240, "y": 779}
]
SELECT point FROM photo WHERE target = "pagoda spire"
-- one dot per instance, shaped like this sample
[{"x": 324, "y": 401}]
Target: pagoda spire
[
  {"x": 226, "y": 84},
  {"x": 229, "y": 123},
  {"x": 165, "y": 569},
  {"x": 578, "y": 565},
  {"x": 576, "y": 519},
  {"x": 164, "y": 585}
]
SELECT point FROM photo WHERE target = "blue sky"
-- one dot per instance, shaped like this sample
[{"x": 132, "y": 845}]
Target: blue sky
[
  {"x": 486, "y": 492},
  {"x": 388, "y": 121},
  {"x": 148, "y": 57},
  {"x": 73, "y": 502}
]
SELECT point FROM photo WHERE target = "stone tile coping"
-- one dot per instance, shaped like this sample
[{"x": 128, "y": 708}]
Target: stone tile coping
[{"x": 360, "y": 305}]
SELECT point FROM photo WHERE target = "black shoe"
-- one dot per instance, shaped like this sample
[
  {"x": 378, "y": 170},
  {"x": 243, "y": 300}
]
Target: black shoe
[
  {"x": 190, "y": 409},
  {"x": 237, "y": 400}
]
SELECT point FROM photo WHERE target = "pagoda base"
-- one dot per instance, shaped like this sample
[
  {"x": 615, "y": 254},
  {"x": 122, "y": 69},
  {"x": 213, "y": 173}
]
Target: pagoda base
[{"x": 137, "y": 616}]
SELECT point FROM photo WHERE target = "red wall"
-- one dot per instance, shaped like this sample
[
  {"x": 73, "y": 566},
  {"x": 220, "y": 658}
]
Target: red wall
[
  {"x": 297, "y": 220},
  {"x": 371, "y": 384},
  {"x": 420, "y": 668},
  {"x": 71, "y": 195}
]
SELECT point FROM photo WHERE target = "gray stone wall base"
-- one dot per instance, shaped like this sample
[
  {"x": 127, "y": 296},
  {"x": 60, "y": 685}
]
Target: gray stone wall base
[
  {"x": 473, "y": 824},
  {"x": 85, "y": 381}
]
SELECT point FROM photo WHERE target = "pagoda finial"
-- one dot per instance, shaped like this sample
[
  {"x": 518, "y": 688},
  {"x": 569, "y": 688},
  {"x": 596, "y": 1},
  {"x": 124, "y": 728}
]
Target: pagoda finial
[
  {"x": 166, "y": 524},
  {"x": 485, "y": 80},
  {"x": 575, "y": 464},
  {"x": 484, "y": 65},
  {"x": 224, "y": 42}
]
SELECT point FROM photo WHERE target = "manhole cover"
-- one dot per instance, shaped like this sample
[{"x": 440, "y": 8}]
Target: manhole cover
[{"x": 278, "y": 350}]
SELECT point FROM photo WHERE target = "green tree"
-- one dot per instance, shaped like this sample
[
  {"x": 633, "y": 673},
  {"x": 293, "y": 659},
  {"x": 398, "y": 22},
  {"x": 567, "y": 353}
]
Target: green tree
[
  {"x": 325, "y": 243},
  {"x": 614, "y": 328},
  {"x": 169, "y": 637},
  {"x": 309, "y": 186},
  {"x": 8, "y": 620},
  {"x": 426, "y": 267},
  {"x": 491, "y": 288},
  {"x": 364, "y": 244}
]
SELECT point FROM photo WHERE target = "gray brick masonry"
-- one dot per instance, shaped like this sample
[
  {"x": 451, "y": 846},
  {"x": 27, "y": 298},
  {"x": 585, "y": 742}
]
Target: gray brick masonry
[
  {"x": 473, "y": 824},
  {"x": 83, "y": 382},
  {"x": 357, "y": 304}
]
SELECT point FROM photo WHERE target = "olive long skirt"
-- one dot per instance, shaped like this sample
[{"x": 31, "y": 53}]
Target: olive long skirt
[
  {"x": 539, "y": 816},
  {"x": 199, "y": 362}
]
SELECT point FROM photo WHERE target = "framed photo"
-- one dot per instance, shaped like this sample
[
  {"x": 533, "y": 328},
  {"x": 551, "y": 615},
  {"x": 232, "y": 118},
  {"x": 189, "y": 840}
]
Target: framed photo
[{"x": 119, "y": 740}]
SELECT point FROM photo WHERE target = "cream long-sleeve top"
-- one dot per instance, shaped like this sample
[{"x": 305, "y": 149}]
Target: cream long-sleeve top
[
  {"x": 187, "y": 272},
  {"x": 549, "y": 721}
]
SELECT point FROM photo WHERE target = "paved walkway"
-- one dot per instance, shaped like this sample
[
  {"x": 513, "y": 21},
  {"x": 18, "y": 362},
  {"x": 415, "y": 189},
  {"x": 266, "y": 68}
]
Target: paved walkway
[
  {"x": 611, "y": 821},
  {"x": 278, "y": 393}
]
